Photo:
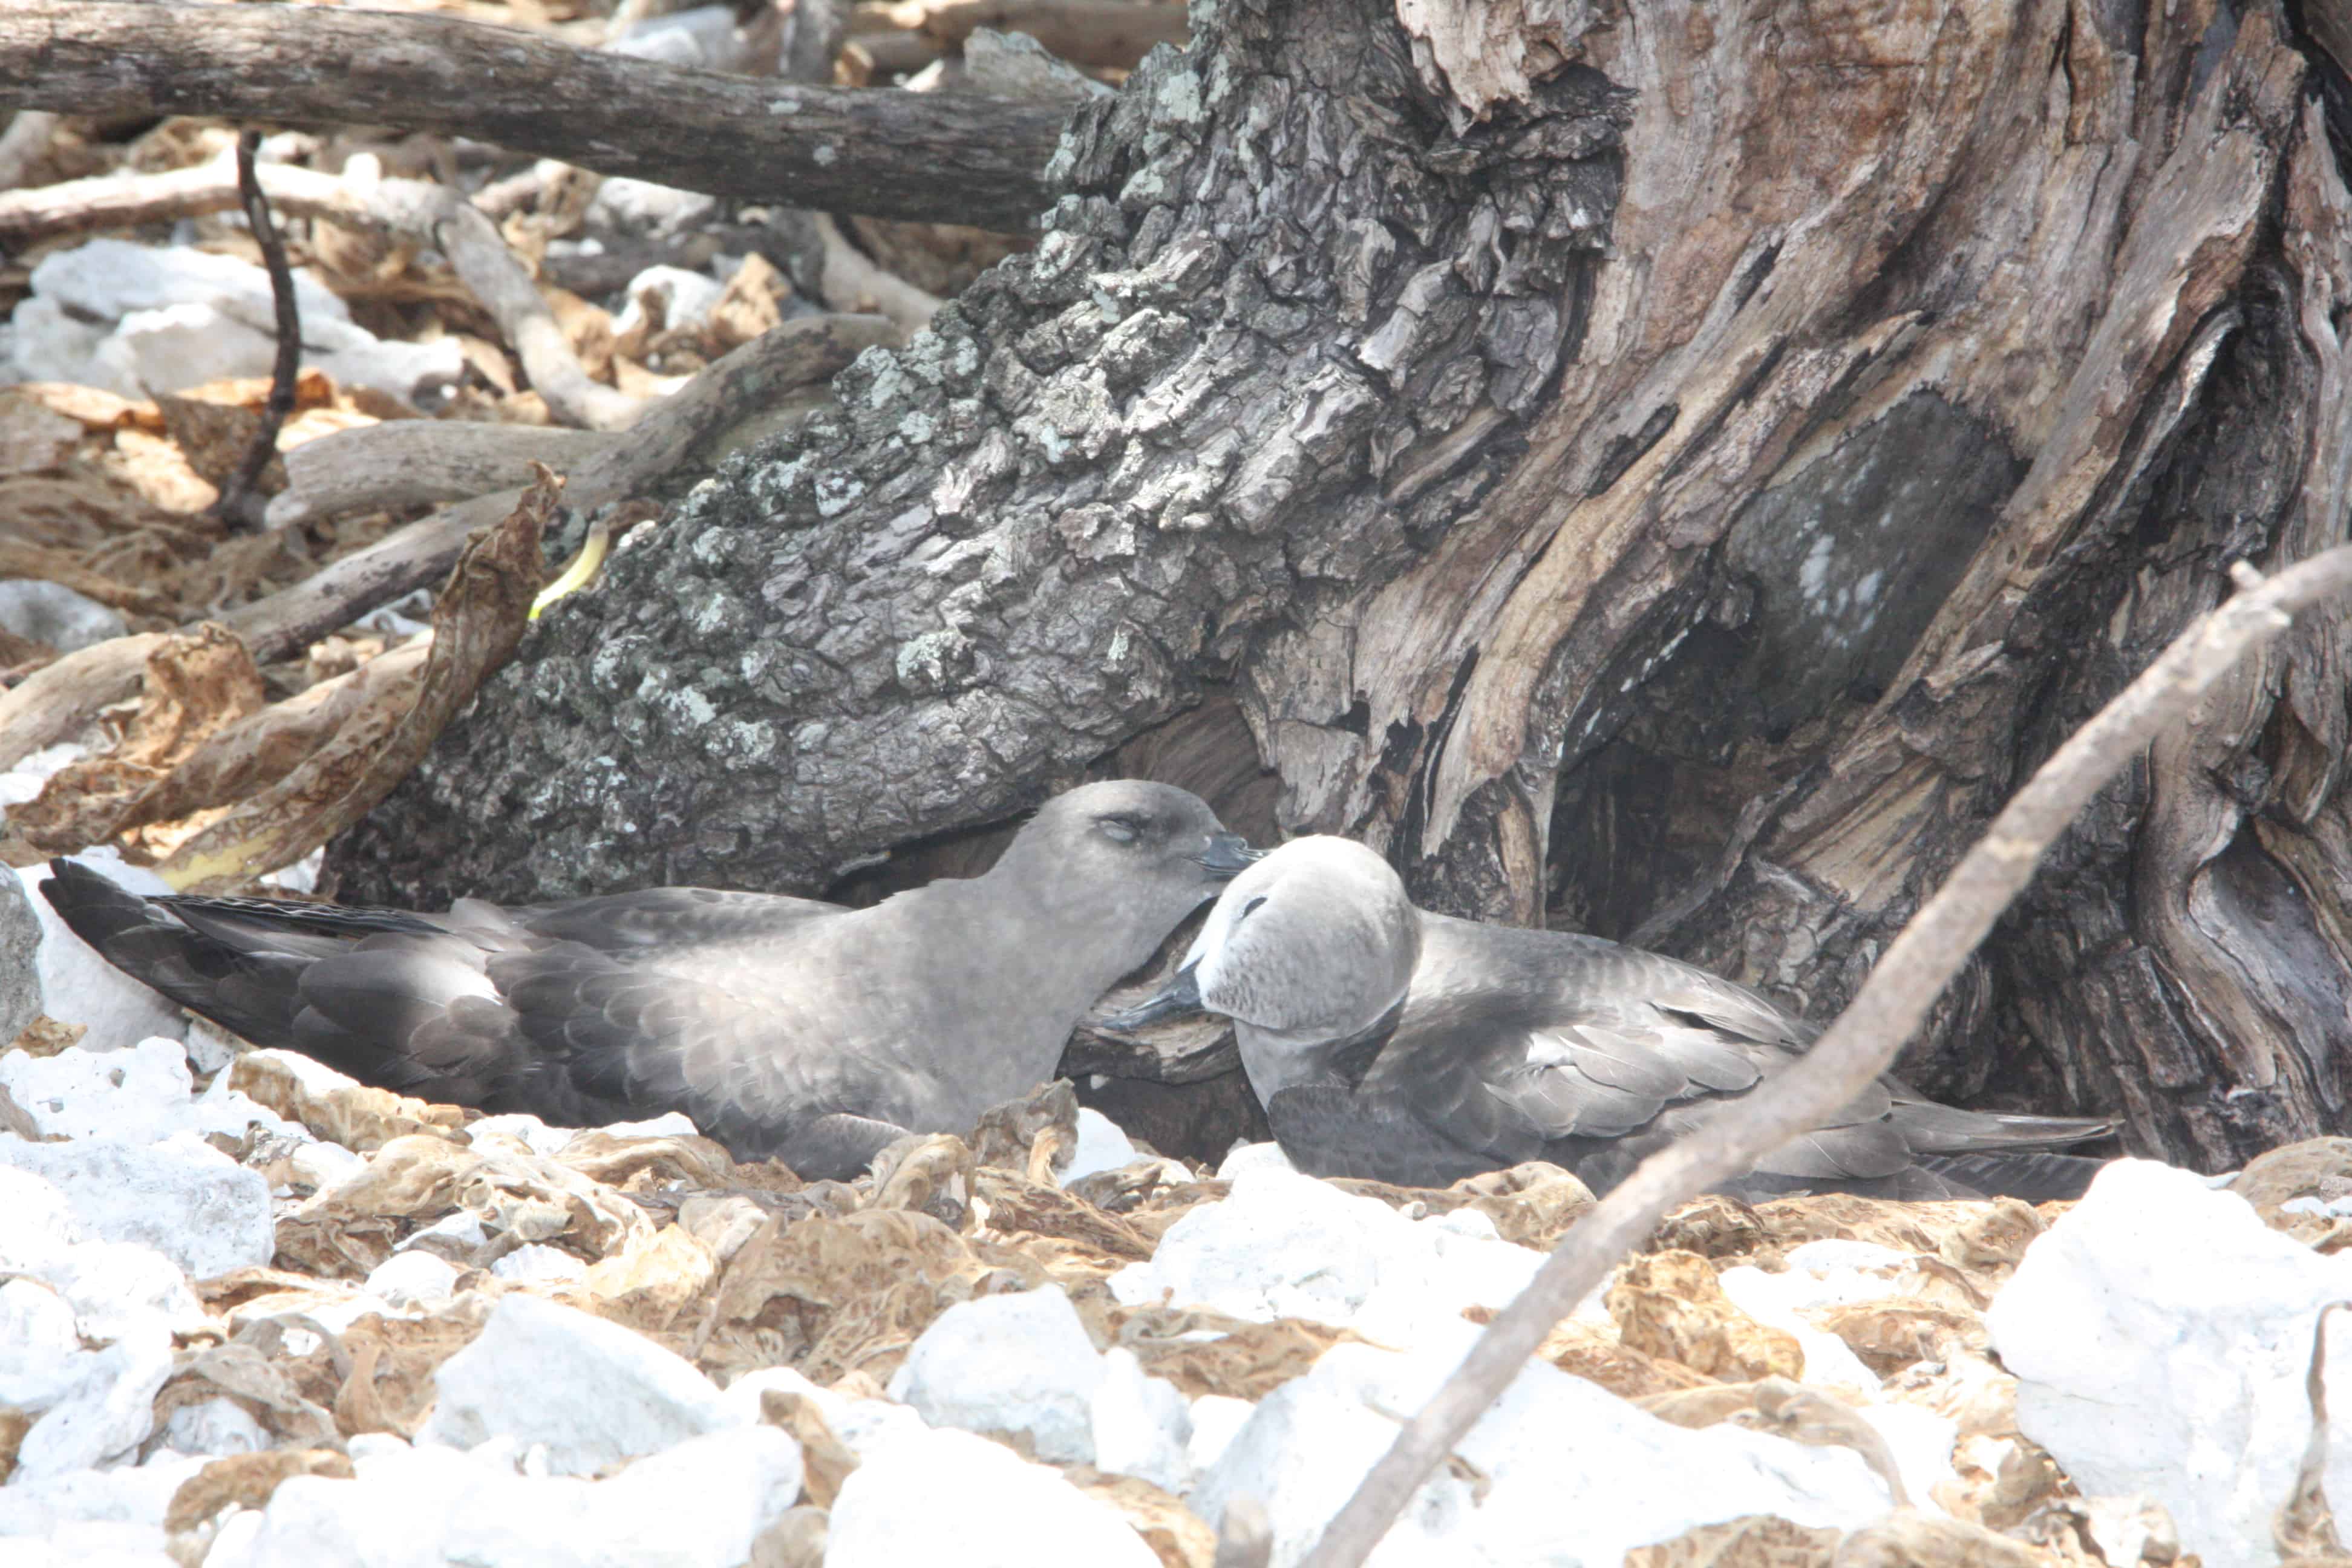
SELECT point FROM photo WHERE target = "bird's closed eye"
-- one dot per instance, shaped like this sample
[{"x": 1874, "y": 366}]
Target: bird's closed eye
[{"x": 1120, "y": 829}]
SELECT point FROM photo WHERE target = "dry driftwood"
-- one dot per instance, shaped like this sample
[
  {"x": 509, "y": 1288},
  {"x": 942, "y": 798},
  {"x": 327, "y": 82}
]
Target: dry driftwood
[
  {"x": 403, "y": 462},
  {"x": 1116, "y": 34},
  {"x": 890, "y": 154},
  {"x": 56, "y": 702},
  {"x": 239, "y": 502},
  {"x": 849, "y": 281},
  {"x": 23, "y": 143},
  {"x": 479, "y": 618},
  {"x": 417, "y": 211},
  {"x": 2173, "y": 695},
  {"x": 751, "y": 386}
]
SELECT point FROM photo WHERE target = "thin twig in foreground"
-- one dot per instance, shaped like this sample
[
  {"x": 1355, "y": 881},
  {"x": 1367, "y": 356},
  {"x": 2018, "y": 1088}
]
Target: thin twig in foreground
[
  {"x": 238, "y": 505},
  {"x": 1892, "y": 1004}
]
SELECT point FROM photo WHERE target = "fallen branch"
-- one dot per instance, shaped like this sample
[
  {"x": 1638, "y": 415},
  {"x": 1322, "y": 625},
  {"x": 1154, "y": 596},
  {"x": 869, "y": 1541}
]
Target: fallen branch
[
  {"x": 57, "y": 701},
  {"x": 1891, "y": 1005},
  {"x": 890, "y": 154},
  {"x": 482, "y": 616},
  {"x": 25, "y": 143},
  {"x": 238, "y": 505},
  {"x": 1116, "y": 34},
  {"x": 409, "y": 462},
  {"x": 848, "y": 281},
  {"x": 752, "y": 389},
  {"x": 22, "y": 558},
  {"x": 754, "y": 385}
]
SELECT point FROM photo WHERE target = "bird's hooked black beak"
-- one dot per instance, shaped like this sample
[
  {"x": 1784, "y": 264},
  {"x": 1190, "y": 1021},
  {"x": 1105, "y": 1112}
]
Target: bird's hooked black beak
[
  {"x": 1228, "y": 854},
  {"x": 1180, "y": 994}
]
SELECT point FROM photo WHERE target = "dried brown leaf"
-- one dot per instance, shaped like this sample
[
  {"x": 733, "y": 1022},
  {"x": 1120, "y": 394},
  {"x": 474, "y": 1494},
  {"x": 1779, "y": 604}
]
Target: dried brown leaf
[
  {"x": 477, "y": 621},
  {"x": 748, "y": 306},
  {"x": 797, "y": 1538},
  {"x": 1908, "y": 1539},
  {"x": 1006, "y": 1135},
  {"x": 194, "y": 683},
  {"x": 587, "y": 326},
  {"x": 826, "y": 1460},
  {"x": 846, "y": 1293},
  {"x": 353, "y": 1114},
  {"x": 650, "y": 1282},
  {"x": 1670, "y": 1305},
  {"x": 93, "y": 408},
  {"x": 1893, "y": 1332},
  {"x": 244, "y": 1373},
  {"x": 389, "y": 1385},
  {"x": 1587, "y": 1351},
  {"x": 931, "y": 1172},
  {"x": 1176, "y": 1535},
  {"x": 1753, "y": 1540},
  {"x": 1249, "y": 1360},
  {"x": 246, "y": 1480},
  {"x": 44, "y": 1037},
  {"x": 614, "y": 1160},
  {"x": 14, "y": 1425},
  {"x": 1532, "y": 1204},
  {"x": 214, "y": 437},
  {"x": 156, "y": 468},
  {"x": 1017, "y": 1207}
]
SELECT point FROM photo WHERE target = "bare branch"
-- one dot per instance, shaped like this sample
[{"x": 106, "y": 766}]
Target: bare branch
[
  {"x": 23, "y": 144},
  {"x": 404, "y": 462},
  {"x": 693, "y": 425},
  {"x": 926, "y": 156},
  {"x": 238, "y": 506},
  {"x": 1893, "y": 1002},
  {"x": 1116, "y": 32}
]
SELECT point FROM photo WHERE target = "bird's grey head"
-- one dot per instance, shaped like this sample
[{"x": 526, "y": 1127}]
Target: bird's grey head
[
  {"x": 1122, "y": 861},
  {"x": 1309, "y": 948}
]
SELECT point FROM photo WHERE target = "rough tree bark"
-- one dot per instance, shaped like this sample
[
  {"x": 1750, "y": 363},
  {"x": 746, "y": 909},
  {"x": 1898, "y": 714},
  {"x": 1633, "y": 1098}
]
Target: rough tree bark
[{"x": 1663, "y": 469}]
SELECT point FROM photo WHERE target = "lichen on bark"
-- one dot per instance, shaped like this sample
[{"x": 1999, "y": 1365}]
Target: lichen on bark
[{"x": 1281, "y": 332}]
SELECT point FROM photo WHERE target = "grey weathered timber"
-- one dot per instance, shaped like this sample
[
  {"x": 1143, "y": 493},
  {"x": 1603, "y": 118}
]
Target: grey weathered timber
[
  {"x": 891, "y": 154},
  {"x": 1680, "y": 493},
  {"x": 1225, "y": 394}
]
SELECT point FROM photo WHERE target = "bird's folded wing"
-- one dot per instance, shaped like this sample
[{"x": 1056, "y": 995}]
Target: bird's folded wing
[
  {"x": 1326, "y": 1130},
  {"x": 665, "y": 917},
  {"x": 638, "y": 1036}
]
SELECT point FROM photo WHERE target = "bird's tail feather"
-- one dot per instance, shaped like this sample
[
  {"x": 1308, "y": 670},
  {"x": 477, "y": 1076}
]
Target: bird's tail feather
[
  {"x": 2037, "y": 1176},
  {"x": 1932, "y": 1128},
  {"x": 249, "y": 991}
]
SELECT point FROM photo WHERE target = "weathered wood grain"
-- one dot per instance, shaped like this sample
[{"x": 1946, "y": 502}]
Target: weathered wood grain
[{"x": 886, "y": 153}]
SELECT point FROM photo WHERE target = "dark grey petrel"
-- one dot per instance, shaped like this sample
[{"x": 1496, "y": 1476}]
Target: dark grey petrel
[
  {"x": 783, "y": 1027},
  {"x": 1391, "y": 1043}
]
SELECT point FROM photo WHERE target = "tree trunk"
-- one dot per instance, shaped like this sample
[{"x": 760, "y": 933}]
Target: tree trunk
[{"x": 1664, "y": 470}]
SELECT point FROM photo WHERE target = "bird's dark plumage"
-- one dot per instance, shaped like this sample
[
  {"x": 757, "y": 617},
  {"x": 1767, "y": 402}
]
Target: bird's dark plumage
[
  {"x": 1391, "y": 1043},
  {"x": 783, "y": 1027}
]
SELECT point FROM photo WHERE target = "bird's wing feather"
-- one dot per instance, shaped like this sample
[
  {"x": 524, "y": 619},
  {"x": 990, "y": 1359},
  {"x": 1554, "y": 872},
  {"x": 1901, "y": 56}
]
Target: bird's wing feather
[
  {"x": 666, "y": 917},
  {"x": 737, "y": 1064},
  {"x": 1326, "y": 1130}
]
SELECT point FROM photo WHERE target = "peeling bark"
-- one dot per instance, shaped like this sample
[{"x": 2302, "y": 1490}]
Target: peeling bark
[{"x": 1681, "y": 498}]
